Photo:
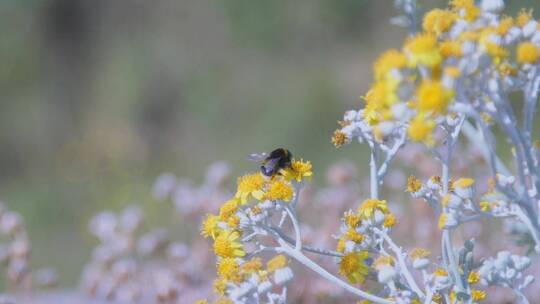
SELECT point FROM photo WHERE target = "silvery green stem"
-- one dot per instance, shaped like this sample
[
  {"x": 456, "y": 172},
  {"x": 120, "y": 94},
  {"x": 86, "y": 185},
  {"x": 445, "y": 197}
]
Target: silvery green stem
[
  {"x": 401, "y": 260},
  {"x": 298, "y": 242},
  {"x": 374, "y": 180},
  {"x": 301, "y": 258}
]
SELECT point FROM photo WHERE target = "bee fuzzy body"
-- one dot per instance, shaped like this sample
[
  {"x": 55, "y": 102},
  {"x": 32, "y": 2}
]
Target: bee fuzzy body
[{"x": 278, "y": 159}]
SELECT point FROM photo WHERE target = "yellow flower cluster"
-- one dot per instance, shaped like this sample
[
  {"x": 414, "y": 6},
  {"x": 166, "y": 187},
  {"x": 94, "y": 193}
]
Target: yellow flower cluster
[
  {"x": 253, "y": 190},
  {"x": 415, "y": 85}
]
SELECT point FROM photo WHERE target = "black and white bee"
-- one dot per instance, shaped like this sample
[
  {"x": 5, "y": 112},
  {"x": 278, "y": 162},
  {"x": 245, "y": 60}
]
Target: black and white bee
[{"x": 274, "y": 161}]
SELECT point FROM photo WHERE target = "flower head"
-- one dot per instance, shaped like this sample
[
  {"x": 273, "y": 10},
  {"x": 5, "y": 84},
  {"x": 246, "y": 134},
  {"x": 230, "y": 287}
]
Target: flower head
[
  {"x": 353, "y": 266},
  {"x": 422, "y": 49},
  {"x": 298, "y": 170},
  {"x": 369, "y": 206},
  {"x": 528, "y": 52},
  {"x": 226, "y": 245},
  {"x": 279, "y": 190},
  {"x": 250, "y": 186},
  {"x": 210, "y": 226}
]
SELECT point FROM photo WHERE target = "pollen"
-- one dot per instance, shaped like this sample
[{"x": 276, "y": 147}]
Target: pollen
[
  {"x": 419, "y": 253},
  {"x": 422, "y": 49},
  {"x": 229, "y": 270},
  {"x": 478, "y": 295},
  {"x": 464, "y": 183},
  {"x": 473, "y": 278},
  {"x": 450, "y": 48}
]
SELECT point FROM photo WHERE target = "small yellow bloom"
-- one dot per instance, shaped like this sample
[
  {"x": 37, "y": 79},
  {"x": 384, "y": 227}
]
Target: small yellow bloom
[
  {"x": 228, "y": 208},
  {"x": 419, "y": 253},
  {"x": 440, "y": 272},
  {"x": 389, "y": 220},
  {"x": 250, "y": 185},
  {"x": 369, "y": 206},
  {"x": 485, "y": 206},
  {"x": 422, "y": 49},
  {"x": 353, "y": 266},
  {"x": 478, "y": 295},
  {"x": 277, "y": 262},
  {"x": 210, "y": 226},
  {"x": 438, "y": 21},
  {"x": 223, "y": 301},
  {"x": 229, "y": 270},
  {"x": 353, "y": 235},
  {"x": 528, "y": 52},
  {"x": 505, "y": 25},
  {"x": 473, "y": 278},
  {"x": 464, "y": 183},
  {"x": 340, "y": 246},
  {"x": 339, "y": 138},
  {"x": 252, "y": 266},
  {"x": 388, "y": 61},
  {"x": 298, "y": 170},
  {"x": 220, "y": 286},
  {"x": 451, "y": 48},
  {"x": 351, "y": 219},
  {"x": 524, "y": 17},
  {"x": 413, "y": 184},
  {"x": 469, "y": 9},
  {"x": 227, "y": 245},
  {"x": 421, "y": 130},
  {"x": 279, "y": 190},
  {"x": 442, "y": 220},
  {"x": 201, "y": 301},
  {"x": 433, "y": 97}
]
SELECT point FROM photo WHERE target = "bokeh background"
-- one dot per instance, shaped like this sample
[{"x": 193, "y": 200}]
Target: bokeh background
[{"x": 100, "y": 96}]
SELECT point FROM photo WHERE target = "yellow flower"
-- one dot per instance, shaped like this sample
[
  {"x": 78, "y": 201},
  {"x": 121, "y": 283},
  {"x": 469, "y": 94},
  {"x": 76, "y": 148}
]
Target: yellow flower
[
  {"x": 389, "y": 220},
  {"x": 210, "y": 226},
  {"x": 351, "y": 219},
  {"x": 298, "y": 170},
  {"x": 252, "y": 266},
  {"x": 419, "y": 253},
  {"x": 220, "y": 286},
  {"x": 478, "y": 295},
  {"x": 228, "y": 208},
  {"x": 421, "y": 130},
  {"x": 201, "y": 301},
  {"x": 464, "y": 182},
  {"x": 339, "y": 138},
  {"x": 450, "y": 48},
  {"x": 226, "y": 245},
  {"x": 524, "y": 17},
  {"x": 473, "y": 278},
  {"x": 250, "y": 185},
  {"x": 438, "y": 21},
  {"x": 340, "y": 245},
  {"x": 440, "y": 272},
  {"x": 413, "y": 184},
  {"x": 471, "y": 11},
  {"x": 354, "y": 236},
  {"x": 279, "y": 190},
  {"x": 353, "y": 266},
  {"x": 223, "y": 301},
  {"x": 422, "y": 49},
  {"x": 277, "y": 262},
  {"x": 442, "y": 220},
  {"x": 229, "y": 270},
  {"x": 433, "y": 97},
  {"x": 505, "y": 25},
  {"x": 528, "y": 52},
  {"x": 388, "y": 61},
  {"x": 369, "y": 206},
  {"x": 485, "y": 206}
]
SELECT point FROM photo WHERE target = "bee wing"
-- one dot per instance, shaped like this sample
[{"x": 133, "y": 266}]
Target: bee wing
[
  {"x": 257, "y": 156},
  {"x": 269, "y": 167}
]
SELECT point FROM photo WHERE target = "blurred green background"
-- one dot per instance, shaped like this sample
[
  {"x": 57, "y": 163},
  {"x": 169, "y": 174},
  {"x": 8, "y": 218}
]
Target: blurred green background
[{"x": 100, "y": 96}]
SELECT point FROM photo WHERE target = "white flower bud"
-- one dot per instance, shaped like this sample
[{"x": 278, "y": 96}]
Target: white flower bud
[
  {"x": 492, "y": 6},
  {"x": 386, "y": 274},
  {"x": 283, "y": 275},
  {"x": 530, "y": 28},
  {"x": 378, "y": 217},
  {"x": 421, "y": 263}
]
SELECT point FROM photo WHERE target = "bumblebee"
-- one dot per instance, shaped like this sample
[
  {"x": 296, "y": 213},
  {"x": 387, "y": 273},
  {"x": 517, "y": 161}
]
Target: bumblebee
[{"x": 274, "y": 161}]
